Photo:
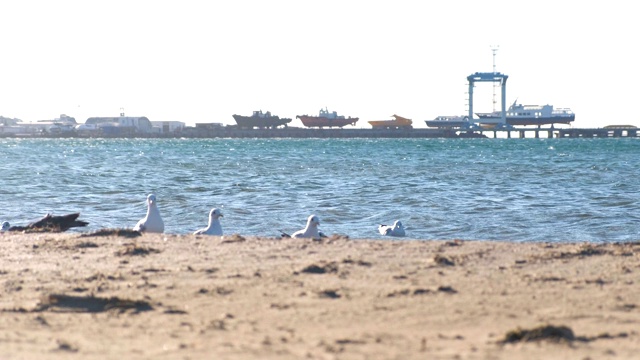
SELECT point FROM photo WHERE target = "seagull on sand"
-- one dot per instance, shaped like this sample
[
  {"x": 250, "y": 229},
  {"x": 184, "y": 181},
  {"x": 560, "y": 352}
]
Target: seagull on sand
[
  {"x": 151, "y": 223},
  {"x": 310, "y": 231},
  {"x": 396, "y": 230},
  {"x": 214, "y": 227},
  {"x": 49, "y": 223}
]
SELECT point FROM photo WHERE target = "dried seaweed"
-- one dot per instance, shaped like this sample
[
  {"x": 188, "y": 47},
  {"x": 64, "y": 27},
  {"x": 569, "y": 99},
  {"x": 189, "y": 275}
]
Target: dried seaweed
[
  {"x": 136, "y": 250},
  {"x": 91, "y": 304},
  {"x": 324, "y": 268},
  {"x": 544, "y": 332},
  {"x": 127, "y": 233}
]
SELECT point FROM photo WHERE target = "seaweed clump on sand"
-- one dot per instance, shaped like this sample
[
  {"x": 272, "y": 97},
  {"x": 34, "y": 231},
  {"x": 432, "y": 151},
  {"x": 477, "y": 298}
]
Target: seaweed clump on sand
[
  {"x": 91, "y": 304},
  {"x": 127, "y": 233},
  {"x": 544, "y": 332},
  {"x": 323, "y": 268},
  {"x": 136, "y": 250}
]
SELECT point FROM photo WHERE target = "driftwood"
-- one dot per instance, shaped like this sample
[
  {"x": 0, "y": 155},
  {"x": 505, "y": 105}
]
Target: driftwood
[{"x": 52, "y": 223}]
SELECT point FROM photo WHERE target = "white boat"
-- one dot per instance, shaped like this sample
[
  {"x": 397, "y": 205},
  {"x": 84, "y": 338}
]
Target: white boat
[
  {"x": 450, "y": 122},
  {"x": 519, "y": 114}
]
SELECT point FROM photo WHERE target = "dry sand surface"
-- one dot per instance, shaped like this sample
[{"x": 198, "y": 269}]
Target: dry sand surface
[{"x": 67, "y": 296}]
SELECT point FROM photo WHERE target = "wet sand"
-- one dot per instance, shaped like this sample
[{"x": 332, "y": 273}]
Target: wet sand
[{"x": 198, "y": 297}]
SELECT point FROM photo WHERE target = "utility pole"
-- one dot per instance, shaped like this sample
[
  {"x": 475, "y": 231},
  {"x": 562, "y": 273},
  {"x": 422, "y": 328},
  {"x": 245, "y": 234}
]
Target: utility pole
[{"x": 494, "y": 50}]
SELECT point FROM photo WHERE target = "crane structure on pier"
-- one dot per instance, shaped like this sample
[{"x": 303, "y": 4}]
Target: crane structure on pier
[{"x": 494, "y": 77}]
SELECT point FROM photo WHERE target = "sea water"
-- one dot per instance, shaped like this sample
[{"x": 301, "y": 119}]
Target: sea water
[{"x": 557, "y": 190}]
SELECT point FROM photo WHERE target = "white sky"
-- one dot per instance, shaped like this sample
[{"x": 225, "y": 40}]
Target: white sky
[{"x": 203, "y": 61}]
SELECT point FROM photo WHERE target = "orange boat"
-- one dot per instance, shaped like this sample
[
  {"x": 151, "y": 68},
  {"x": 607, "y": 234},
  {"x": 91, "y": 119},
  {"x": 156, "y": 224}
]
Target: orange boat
[
  {"x": 398, "y": 123},
  {"x": 326, "y": 118}
]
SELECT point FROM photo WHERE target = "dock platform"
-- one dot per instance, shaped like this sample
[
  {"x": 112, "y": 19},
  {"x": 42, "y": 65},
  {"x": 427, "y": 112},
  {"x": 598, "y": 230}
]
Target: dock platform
[
  {"x": 607, "y": 132},
  {"x": 292, "y": 132}
]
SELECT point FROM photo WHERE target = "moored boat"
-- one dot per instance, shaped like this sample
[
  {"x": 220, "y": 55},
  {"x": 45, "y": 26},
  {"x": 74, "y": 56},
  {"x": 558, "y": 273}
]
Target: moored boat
[
  {"x": 260, "y": 120},
  {"x": 326, "y": 118},
  {"x": 398, "y": 122},
  {"x": 450, "y": 122},
  {"x": 523, "y": 115}
]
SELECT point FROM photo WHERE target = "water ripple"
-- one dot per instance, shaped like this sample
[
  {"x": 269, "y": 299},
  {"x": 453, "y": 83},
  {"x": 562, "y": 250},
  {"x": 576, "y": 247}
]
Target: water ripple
[{"x": 511, "y": 189}]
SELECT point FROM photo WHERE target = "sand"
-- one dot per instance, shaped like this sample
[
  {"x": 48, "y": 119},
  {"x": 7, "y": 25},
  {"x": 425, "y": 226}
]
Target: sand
[{"x": 205, "y": 297}]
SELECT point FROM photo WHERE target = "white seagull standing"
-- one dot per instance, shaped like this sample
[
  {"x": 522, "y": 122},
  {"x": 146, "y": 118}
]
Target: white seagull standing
[
  {"x": 396, "y": 230},
  {"x": 310, "y": 231},
  {"x": 5, "y": 226},
  {"x": 214, "y": 227},
  {"x": 152, "y": 222}
]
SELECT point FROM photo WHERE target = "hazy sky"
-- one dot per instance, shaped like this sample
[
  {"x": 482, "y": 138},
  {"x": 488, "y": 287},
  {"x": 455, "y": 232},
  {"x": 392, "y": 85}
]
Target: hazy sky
[{"x": 203, "y": 61}]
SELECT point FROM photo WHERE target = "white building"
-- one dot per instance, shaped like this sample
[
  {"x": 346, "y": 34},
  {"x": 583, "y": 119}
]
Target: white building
[
  {"x": 167, "y": 127},
  {"x": 56, "y": 126},
  {"x": 122, "y": 125}
]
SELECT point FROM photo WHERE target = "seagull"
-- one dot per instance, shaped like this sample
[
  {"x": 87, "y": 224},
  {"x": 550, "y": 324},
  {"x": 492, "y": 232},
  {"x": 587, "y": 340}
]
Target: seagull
[
  {"x": 396, "y": 230},
  {"x": 49, "y": 223},
  {"x": 214, "y": 227},
  {"x": 151, "y": 223},
  {"x": 310, "y": 231}
]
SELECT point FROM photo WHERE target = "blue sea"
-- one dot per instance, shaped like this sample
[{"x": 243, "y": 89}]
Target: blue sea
[{"x": 558, "y": 190}]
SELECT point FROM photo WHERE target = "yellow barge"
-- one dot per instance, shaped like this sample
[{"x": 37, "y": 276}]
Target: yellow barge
[{"x": 398, "y": 123}]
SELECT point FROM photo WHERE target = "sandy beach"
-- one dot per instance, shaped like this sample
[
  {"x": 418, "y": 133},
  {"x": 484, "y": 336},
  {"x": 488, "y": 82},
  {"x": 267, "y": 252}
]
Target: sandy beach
[{"x": 199, "y": 297}]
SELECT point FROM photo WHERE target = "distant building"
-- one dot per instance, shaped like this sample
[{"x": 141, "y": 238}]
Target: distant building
[
  {"x": 167, "y": 127},
  {"x": 59, "y": 125},
  {"x": 9, "y": 126},
  {"x": 56, "y": 126},
  {"x": 87, "y": 130},
  {"x": 122, "y": 125},
  {"x": 8, "y": 122},
  {"x": 209, "y": 126},
  {"x": 62, "y": 120}
]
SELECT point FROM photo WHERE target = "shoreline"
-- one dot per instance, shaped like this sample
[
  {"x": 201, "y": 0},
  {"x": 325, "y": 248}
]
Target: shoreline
[{"x": 184, "y": 296}]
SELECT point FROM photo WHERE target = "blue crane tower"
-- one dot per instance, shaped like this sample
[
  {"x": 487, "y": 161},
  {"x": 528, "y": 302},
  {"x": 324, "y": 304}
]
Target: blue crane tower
[{"x": 489, "y": 77}]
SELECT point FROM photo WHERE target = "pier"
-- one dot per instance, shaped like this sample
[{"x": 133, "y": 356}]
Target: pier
[
  {"x": 606, "y": 132},
  {"x": 514, "y": 132},
  {"x": 293, "y": 132},
  {"x": 563, "y": 133}
]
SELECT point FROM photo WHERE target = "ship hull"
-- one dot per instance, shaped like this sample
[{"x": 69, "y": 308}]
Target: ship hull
[
  {"x": 448, "y": 124},
  {"x": 523, "y": 115},
  {"x": 260, "y": 122},
  {"x": 524, "y": 121},
  {"x": 398, "y": 123},
  {"x": 319, "y": 121}
]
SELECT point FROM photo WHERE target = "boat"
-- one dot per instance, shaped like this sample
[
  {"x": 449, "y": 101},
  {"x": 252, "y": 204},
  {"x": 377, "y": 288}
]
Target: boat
[
  {"x": 450, "y": 122},
  {"x": 260, "y": 120},
  {"x": 519, "y": 114},
  {"x": 398, "y": 123},
  {"x": 326, "y": 118}
]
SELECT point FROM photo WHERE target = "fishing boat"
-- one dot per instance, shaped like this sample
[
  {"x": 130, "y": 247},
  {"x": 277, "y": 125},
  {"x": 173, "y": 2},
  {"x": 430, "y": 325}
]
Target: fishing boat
[
  {"x": 326, "y": 118},
  {"x": 399, "y": 122},
  {"x": 260, "y": 120},
  {"x": 519, "y": 114},
  {"x": 450, "y": 122}
]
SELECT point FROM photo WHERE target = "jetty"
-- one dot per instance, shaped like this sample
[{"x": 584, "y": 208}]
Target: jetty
[
  {"x": 607, "y": 131},
  {"x": 563, "y": 133},
  {"x": 294, "y": 132}
]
